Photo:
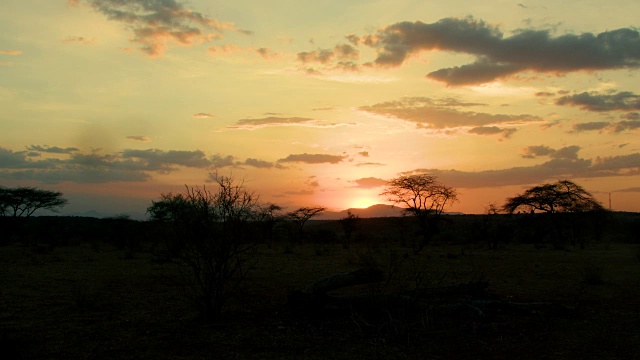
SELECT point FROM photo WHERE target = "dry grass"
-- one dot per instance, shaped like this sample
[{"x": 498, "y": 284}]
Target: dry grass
[{"x": 84, "y": 302}]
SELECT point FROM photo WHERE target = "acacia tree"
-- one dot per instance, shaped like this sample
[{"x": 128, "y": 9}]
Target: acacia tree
[
  {"x": 490, "y": 229},
  {"x": 424, "y": 197},
  {"x": 301, "y": 215},
  {"x": 563, "y": 196},
  {"x": 24, "y": 201},
  {"x": 559, "y": 197},
  {"x": 268, "y": 216},
  {"x": 211, "y": 240},
  {"x": 349, "y": 224}
]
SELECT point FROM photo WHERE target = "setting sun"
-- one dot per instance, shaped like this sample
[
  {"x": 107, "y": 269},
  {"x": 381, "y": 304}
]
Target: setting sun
[{"x": 364, "y": 202}]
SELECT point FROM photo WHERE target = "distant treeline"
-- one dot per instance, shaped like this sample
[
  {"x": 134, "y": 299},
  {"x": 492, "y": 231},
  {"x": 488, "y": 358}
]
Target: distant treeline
[{"x": 492, "y": 230}]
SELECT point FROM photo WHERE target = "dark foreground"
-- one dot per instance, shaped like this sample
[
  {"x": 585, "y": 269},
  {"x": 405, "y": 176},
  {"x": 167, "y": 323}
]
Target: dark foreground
[{"x": 98, "y": 302}]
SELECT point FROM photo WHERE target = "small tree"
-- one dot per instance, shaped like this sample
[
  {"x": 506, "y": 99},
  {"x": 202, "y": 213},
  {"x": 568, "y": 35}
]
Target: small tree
[
  {"x": 489, "y": 228},
  {"x": 301, "y": 215},
  {"x": 212, "y": 238},
  {"x": 349, "y": 224},
  {"x": 423, "y": 197},
  {"x": 561, "y": 197},
  {"x": 268, "y": 216},
  {"x": 24, "y": 201}
]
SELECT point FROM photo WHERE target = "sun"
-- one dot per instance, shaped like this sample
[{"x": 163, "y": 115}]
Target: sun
[{"x": 364, "y": 202}]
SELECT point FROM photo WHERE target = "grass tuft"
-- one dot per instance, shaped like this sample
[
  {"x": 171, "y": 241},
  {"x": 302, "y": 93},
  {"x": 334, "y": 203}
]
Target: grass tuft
[
  {"x": 84, "y": 297},
  {"x": 592, "y": 274}
]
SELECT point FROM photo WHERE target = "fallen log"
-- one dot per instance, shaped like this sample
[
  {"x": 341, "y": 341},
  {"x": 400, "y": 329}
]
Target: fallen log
[
  {"x": 339, "y": 281},
  {"x": 452, "y": 305},
  {"x": 498, "y": 307},
  {"x": 472, "y": 288},
  {"x": 316, "y": 294}
]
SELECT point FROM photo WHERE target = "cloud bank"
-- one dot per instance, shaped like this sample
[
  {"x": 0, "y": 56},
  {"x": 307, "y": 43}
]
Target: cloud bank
[
  {"x": 252, "y": 124},
  {"x": 313, "y": 158},
  {"x": 532, "y": 152},
  {"x": 443, "y": 114},
  {"x": 597, "y": 102},
  {"x": 69, "y": 164},
  {"x": 498, "y": 56},
  {"x": 154, "y": 23},
  {"x": 126, "y": 166},
  {"x": 563, "y": 164},
  {"x": 493, "y": 130},
  {"x": 370, "y": 182}
]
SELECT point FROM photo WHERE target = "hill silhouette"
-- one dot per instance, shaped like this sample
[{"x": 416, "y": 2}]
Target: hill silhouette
[{"x": 373, "y": 211}]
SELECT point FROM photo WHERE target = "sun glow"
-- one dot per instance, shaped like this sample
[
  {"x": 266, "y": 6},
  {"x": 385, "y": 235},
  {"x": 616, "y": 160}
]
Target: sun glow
[{"x": 364, "y": 202}]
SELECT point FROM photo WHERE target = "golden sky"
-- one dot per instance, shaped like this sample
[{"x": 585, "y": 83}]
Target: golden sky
[{"x": 113, "y": 102}]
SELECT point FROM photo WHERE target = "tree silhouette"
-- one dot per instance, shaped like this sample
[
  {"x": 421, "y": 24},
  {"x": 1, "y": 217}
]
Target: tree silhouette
[
  {"x": 561, "y": 196},
  {"x": 24, "y": 201},
  {"x": 211, "y": 239},
  {"x": 554, "y": 200},
  {"x": 301, "y": 215},
  {"x": 349, "y": 225},
  {"x": 268, "y": 216},
  {"x": 423, "y": 197}
]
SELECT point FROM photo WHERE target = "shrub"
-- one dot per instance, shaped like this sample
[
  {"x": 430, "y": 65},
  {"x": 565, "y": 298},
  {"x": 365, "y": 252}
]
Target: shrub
[{"x": 212, "y": 239}]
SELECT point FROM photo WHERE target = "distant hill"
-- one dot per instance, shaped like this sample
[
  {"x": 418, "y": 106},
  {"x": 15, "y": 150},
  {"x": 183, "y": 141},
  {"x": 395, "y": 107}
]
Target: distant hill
[
  {"x": 373, "y": 211},
  {"x": 379, "y": 210},
  {"x": 99, "y": 215}
]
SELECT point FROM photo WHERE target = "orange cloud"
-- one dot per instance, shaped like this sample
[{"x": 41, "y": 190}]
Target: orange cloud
[
  {"x": 313, "y": 158},
  {"x": 139, "y": 138},
  {"x": 225, "y": 49},
  {"x": 78, "y": 39},
  {"x": 156, "y": 23},
  {"x": 10, "y": 52},
  {"x": 202, "y": 116}
]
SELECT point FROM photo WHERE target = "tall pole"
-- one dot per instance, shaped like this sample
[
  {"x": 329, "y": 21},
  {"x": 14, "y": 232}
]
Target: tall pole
[{"x": 609, "y": 201}]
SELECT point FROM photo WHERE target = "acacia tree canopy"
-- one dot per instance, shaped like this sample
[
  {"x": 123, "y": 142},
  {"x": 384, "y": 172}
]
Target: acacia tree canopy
[
  {"x": 561, "y": 196},
  {"x": 349, "y": 224},
  {"x": 420, "y": 194},
  {"x": 301, "y": 215},
  {"x": 424, "y": 197},
  {"x": 24, "y": 201},
  {"x": 305, "y": 213}
]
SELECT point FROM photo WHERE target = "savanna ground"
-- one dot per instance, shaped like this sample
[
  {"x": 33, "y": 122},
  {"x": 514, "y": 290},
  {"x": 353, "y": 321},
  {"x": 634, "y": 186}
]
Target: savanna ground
[{"x": 95, "y": 300}]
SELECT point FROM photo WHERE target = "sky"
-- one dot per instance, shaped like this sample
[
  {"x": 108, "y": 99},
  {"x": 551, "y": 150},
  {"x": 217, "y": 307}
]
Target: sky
[{"x": 318, "y": 103}]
